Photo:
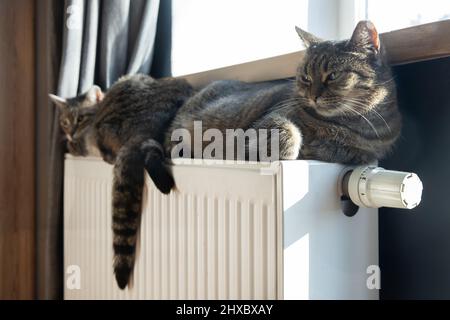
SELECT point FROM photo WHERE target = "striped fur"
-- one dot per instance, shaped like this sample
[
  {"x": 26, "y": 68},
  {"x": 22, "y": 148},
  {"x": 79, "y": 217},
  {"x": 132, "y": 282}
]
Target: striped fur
[
  {"x": 341, "y": 107},
  {"x": 126, "y": 125},
  {"x": 128, "y": 186}
]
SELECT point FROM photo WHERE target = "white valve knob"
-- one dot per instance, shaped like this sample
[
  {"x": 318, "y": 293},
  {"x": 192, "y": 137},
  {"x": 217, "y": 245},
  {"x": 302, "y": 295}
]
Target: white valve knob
[{"x": 374, "y": 187}]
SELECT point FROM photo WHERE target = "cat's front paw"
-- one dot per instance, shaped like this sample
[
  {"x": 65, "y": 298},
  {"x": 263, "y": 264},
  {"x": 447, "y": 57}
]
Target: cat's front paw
[
  {"x": 290, "y": 141},
  {"x": 109, "y": 158}
]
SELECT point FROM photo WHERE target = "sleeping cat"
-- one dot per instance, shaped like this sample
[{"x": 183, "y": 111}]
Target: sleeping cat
[
  {"x": 75, "y": 116},
  {"x": 340, "y": 108},
  {"x": 125, "y": 126}
]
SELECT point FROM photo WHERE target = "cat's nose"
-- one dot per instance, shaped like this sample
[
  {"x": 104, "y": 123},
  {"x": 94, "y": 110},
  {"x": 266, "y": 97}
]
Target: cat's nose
[
  {"x": 314, "y": 98},
  {"x": 315, "y": 94}
]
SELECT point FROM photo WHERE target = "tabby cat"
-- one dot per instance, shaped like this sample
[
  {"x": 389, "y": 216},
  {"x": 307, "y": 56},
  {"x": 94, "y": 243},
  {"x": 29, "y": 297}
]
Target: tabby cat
[
  {"x": 125, "y": 126},
  {"x": 75, "y": 119},
  {"x": 340, "y": 108}
]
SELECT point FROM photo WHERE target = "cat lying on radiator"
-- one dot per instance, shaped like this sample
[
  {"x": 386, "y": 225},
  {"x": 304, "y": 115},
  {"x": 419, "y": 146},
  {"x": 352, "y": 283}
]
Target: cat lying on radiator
[
  {"x": 125, "y": 126},
  {"x": 340, "y": 108}
]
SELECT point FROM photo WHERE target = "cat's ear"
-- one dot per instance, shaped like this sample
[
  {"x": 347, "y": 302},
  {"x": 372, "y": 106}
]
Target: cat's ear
[
  {"x": 61, "y": 103},
  {"x": 95, "y": 94},
  {"x": 307, "y": 38},
  {"x": 365, "y": 37}
]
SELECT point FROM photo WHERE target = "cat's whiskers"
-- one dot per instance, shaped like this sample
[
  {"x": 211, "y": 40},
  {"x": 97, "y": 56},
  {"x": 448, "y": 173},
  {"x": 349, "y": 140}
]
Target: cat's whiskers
[
  {"x": 359, "y": 108},
  {"x": 287, "y": 100},
  {"x": 362, "y": 106},
  {"x": 286, "y": 106},
  {"x": 384, "y": 82},
  {"x": 362, "y": 116},
  {"x": 288, "y": 103},
  {"x": 361, "y": 99}
]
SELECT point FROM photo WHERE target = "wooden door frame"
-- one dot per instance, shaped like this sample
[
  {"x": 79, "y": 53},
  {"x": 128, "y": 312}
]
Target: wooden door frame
[{"x": 17, "y": 149}]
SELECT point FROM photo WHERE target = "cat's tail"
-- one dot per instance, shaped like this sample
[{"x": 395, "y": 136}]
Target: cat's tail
[{"x": 128, "y": 187}]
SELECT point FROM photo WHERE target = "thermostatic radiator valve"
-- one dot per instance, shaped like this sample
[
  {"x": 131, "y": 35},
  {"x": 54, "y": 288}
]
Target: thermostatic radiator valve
[{"x": 374, "y": 187}]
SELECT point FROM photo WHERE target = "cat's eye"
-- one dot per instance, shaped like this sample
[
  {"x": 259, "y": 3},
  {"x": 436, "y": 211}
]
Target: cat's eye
[
  {"x": 80, "y": 119},
  {"x": 332, "y": 76},
  {"x": 305, "y": 79}
]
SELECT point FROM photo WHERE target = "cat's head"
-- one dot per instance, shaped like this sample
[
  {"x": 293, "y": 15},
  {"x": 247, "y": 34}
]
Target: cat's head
[
  {"x": 345, "y": 77},
  {"x": 76, "y": 113}
]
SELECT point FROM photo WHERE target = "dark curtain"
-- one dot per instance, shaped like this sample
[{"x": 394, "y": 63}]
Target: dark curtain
[{"x": 79, "y": 43}]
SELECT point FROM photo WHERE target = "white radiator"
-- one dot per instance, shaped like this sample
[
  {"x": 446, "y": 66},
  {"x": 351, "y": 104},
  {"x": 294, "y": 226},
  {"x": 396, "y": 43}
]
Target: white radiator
[{"x": 229, "y": 232}]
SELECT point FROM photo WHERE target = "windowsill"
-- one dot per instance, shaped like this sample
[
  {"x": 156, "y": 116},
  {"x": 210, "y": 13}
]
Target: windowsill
[{"x": 423, "y": 42}]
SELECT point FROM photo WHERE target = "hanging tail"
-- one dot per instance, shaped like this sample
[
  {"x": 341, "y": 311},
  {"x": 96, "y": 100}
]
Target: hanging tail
[{"x": 128, "y": 186}]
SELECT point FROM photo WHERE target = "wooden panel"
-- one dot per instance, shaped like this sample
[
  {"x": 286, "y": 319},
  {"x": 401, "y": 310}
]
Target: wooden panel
[
  {"x": 17, "y": 200},
  {"x": 424, "y": 42},
  {"x": 418, "y": 43}
]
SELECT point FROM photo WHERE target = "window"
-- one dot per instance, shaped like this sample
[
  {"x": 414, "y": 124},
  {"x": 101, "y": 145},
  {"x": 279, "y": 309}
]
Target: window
[
  {"x": 390, "y": 15},
  {"x": 209, "y": 34}
]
